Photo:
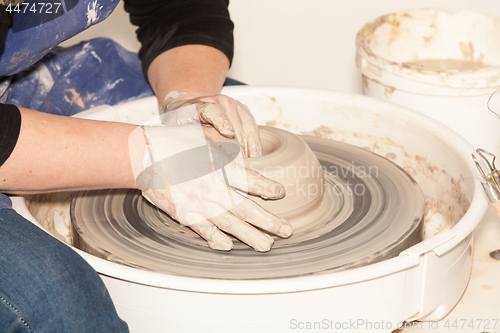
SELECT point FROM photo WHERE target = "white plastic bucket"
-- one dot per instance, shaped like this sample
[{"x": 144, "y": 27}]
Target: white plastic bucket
[{"x": 441, "y": 62}]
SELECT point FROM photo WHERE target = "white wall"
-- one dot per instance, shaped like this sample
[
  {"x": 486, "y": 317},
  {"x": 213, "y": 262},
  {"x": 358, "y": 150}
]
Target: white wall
[{"x": 301, "y": 43}]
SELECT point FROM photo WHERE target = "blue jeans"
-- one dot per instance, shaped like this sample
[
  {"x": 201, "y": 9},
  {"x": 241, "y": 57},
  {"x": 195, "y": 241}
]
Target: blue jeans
[{"x": 45, "y": 286}]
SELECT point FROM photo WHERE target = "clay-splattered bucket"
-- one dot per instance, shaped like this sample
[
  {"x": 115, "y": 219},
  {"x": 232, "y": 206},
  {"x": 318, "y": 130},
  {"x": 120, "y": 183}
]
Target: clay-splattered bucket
[{"x": 441, "y": 62}]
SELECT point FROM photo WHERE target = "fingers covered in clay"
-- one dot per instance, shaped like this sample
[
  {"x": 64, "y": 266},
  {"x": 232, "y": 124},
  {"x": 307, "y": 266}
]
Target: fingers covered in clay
[
  {"x": 264, "y": 187},
  {"x": 254, "y": 183},
  {"x": 254, "y": 214},
  {"x": 214, "y": 230},
  {"x": 246, "y": 129},
  {"x": 212, "y": 112},
  {"x": 215, "y": 238},
  {"x": 229, "y": 117},
  {"x": 234, "y": 221},
  {"x": 246, "y": 233}
]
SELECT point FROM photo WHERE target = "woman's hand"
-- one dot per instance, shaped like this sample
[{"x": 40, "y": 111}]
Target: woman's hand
[
  {"x": 229, "y": 117},
  {"x": 203, "y": 185}
]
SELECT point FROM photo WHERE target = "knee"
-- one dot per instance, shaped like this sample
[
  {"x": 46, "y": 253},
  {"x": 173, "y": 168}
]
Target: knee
[
  {"x": 76, "y": 294},
  {"x": 52, "y": 287}
]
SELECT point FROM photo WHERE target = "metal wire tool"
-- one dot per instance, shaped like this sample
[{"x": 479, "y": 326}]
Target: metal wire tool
[{"x": 490, "y": 182}]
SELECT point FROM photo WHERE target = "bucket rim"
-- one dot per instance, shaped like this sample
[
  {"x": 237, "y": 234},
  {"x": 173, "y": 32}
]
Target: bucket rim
[{"x": 384, "y": 70}]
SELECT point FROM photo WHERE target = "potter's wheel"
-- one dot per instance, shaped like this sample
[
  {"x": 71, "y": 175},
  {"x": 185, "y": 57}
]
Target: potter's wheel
[{"x": 362, "y": 218}]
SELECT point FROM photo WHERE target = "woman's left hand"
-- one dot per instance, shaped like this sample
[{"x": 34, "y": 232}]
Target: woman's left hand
[{"x": 231, "y": 118}]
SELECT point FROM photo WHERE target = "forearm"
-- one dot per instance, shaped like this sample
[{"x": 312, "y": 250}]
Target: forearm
[
  {"x": 199, "y": 72},
  {"x": 195, "y": 69},
  {"x": 55, "y": 153}
]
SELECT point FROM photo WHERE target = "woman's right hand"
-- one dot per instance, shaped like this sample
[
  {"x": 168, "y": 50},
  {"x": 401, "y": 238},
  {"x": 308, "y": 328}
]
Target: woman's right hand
[{"x": 203, "y": 184}]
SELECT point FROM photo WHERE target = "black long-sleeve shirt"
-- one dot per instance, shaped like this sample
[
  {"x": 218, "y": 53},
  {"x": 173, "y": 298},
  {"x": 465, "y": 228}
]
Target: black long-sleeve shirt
[{"x": 164, "y": 25}]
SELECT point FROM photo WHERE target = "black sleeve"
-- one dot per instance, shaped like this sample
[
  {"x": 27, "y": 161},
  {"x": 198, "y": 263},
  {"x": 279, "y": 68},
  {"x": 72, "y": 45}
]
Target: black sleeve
[
  {"x": 10, "y": 126},
  {"x": 5, "y": 23},
  {"x": 165, "y": 24}
]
